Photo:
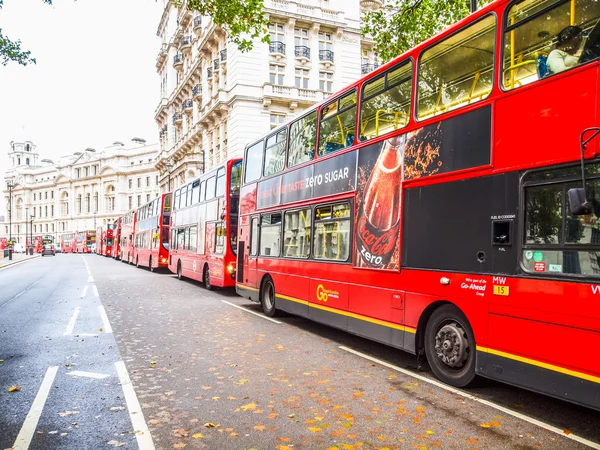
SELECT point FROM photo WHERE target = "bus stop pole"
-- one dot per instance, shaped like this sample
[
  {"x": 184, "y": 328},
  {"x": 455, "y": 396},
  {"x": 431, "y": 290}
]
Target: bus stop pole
[{"x": 473, "y": 6}]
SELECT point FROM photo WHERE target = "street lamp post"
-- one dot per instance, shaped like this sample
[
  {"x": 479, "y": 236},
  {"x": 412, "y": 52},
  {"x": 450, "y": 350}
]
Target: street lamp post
[
  {"x": 31, "y": 217},
  {"x": 9, "y": 185},
  {"x": 27, "y": 241},
  {"x": 169, "y": 170}
]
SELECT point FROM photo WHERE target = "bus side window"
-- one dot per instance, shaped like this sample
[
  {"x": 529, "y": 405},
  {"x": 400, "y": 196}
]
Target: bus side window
[
  {"x": 457, "y": 71},
  {"x": 254, "y": 162},
  {"x": 254, "y": 237},
  {"x": 530, "y": 38},
  {"x": 385, "y": 105},
  {"x": 275, "y": 153},
  {"x": 337, "y": 127},
  {"x": 210, "y": 188},
  {"x": 303, "y": 140},
  {"x": 221, "y": 182}
]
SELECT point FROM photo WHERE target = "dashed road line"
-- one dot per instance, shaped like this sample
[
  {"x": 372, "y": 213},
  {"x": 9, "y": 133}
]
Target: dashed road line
[
  {"x": 262, "y": 316},
  {"x": 28, "y": 429},
  {"x": 81, "y": 373},
  {"x": 140, "y": 428},
  {"x": 107, "y": 327},
  {"x": 464, "y": 394},
  {"x": 95, "y": 289},
  {"x": 71, "y": 323},
  {"x": 90, "y": 279},
  {"x": 84, "y": 291}
]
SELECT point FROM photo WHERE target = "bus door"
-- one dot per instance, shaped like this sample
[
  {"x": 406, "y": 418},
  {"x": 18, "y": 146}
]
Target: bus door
[{"x": 251, "y": 262}]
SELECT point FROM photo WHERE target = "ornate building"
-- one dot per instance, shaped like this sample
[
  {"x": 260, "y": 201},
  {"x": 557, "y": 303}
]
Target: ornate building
[
  {"x": 215, "y": 99},
  {"x": 79, "y": 192}
]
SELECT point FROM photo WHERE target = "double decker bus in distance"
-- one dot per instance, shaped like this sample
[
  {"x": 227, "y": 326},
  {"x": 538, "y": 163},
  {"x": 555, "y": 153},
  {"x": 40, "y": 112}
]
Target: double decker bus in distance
[
  {"x": 204, "y": 227},
  {"x": 433, "y": 205},
  {"x": 126, "y": 241},
  {"x": 116, "y": 251},
  {"x": 84, "y": 240},
  {"x": 99, "y": 241},
  {"x": 151, "y": 230},
  {"x": 67, "y": 243},
  {"x": 105, "y": 240}
]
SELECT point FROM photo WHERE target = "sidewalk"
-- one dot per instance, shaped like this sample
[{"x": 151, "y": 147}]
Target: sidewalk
[{"x": 16, "y": 257}]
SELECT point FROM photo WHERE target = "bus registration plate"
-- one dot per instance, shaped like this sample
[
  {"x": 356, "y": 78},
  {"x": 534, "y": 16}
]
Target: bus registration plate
[{"x": 500, "y": 290}]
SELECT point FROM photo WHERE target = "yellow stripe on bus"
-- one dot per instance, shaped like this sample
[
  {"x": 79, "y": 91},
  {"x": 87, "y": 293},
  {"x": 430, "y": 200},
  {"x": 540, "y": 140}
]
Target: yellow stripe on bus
[
  {"x": 349, "y": 314},
  {"x": 573, "y": 373},
  {"x": 246, "y": 287}
]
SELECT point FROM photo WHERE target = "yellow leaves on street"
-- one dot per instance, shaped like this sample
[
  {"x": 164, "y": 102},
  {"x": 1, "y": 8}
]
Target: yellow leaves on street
[
  {"x": 567, "y": 432},
  {"x": 216, "y": 398},
  {"x": 206, "y": 388},
  {"x": 490, "y": 424},
  {"x": 181, "y": 432},
  {"x": 429, "y": 432},
  {"x": 179, "y": 445},
  {"x": 472, "y": 441},
  {"x": 259, "y": 427},
  {"x": 101, "y": 330},
  {"x": 68, "y": 413},
  {"x": 284, "y": 439},
  {"x": 209, "y": 425},
  {"x": 249, "y": 407},
  {"x": 242, "y": 382},
  {"x": 154, "y": 422},
  {"x": 14, "y": 388},
  {"x": 272, "y": 415},
  {"x": 283, "y": 447},
  {"x": 358, "y": 394},
  {"x": 197, "y": 435},
  {"x": 315, "y": 429},
  {"x": 280, "y": 347}
]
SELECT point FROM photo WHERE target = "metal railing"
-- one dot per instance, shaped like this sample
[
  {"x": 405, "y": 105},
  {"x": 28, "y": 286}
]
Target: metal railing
[
  {"x": 178, "y": 59},
  {"x": 209, "y": 73},
  {"x": 277, "y": 47},
  {"x": 177, "y": 117},
  {"x": 197, "y": 90},
  {"x": 325, "y": 55},
  {"x": 187, "y": 104},
  {"x": 216, "y": 64},
  {"x": 185, "y": 41},
  {"x": 366, "y": 68},
  {"x": 302, "y": 51},
  {"x": 223, "y": 54},
  {"x": 197, "y": 21}
]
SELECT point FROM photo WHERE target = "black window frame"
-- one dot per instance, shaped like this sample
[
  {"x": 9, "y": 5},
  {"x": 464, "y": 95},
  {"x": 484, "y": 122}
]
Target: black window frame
[
  {"x": 350, "y": 202},
  {"x": 339, "y": 111},
  {"x": 260, "y": 230},
  {"x": 285, "y": 153},
  {"x": 310, "y": 245},
  {"x": 262, "y": 162},
  {"x": 316, "y": 146}
]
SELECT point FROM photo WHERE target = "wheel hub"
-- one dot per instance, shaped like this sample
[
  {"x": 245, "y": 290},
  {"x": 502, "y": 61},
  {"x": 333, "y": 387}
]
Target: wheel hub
[{"x": 452, "y": 345}]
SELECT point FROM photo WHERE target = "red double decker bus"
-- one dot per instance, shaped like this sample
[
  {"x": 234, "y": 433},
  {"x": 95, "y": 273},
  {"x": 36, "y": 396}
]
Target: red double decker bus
[
  {"x": 105, "y": 241},
  {"x": 432, "y": 205},
  {"x": 151, "y": 233},
  {"x": 126, "y": 240},
  {"x": 84, "y": 240},
  {"x": 67, "y": 243},
  {"x": 204, "y": 227},
  {"x": 116, "y": 253}
]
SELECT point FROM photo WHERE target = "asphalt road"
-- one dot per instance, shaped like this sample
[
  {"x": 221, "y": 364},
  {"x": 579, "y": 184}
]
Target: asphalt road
[{"x": 210, "y": 374}]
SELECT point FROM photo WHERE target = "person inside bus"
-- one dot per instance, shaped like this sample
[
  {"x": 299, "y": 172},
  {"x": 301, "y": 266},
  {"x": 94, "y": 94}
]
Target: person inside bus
[{"x": 568, "y": 44}]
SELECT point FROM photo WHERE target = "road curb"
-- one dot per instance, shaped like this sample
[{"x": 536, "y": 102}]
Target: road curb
[{"x": 19, "y": 261}]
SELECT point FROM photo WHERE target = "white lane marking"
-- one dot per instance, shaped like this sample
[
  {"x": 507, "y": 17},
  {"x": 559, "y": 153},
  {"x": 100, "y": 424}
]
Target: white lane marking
[
  {"x": 90, "y": 279},
  {"x": 95, "y": 289},
  {"x": 28, "y": 429},
  {"x": 262, "y": 316},
  {"x": 84, "y": 292},
  {"x": 107, "y": 327},
  {"x": 87, "y": 334},
  {"x": 20, "y": 293},
  {"x": 142, "y": 434},
  {"x": 464, "y": 394},
  {"x": 81, "y": 373},
  {"x": 71, "y": 323}
]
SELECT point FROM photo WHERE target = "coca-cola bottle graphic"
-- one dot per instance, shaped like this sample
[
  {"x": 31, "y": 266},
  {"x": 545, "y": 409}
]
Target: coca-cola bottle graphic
[{"x": 379, "y": 219}]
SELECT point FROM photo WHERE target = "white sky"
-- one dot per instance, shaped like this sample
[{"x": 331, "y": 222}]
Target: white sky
[{"x": 94, "y": 82}]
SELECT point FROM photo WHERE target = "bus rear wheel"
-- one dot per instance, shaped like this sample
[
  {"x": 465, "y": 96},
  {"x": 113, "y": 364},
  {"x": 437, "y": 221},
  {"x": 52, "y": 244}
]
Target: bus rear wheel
[
  {"x": 206, "y": 278},
  {"x": 450, "y": 346},
  {"x": 137, "y": 261},
  {"x": 179, "y": 271},
  {"x": 267, "y": 298},
  {"x": 150, "y": 264}
]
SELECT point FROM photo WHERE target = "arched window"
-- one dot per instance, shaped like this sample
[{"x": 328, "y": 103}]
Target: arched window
[
  {"x": 19, "y": 161},
  {"x": 96, "y": 202},
  {"x": 78, "y": 205},
  {"x": 27, "y": 161},
  {"x": 27, "y": 148},
  {"x": 87, "y": 203}
]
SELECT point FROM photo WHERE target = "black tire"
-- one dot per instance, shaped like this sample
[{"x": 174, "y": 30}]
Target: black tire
[
  {"x": 150, "y": 264},
  {"x": 206, "y": 278},
  {"x": 179, "y": 271},
  {"x": 137, "y": 261},
  {"x": 450, "y": 346},
  {"x": 267, "y": 298}
]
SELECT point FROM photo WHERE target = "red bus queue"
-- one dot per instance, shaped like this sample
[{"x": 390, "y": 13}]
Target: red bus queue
[
  {"x": 116, "y": 251},
  {"x": 105, "y": 241},
  {"x": 421, "y": 207},
  {"x": 204, "y": 227}
]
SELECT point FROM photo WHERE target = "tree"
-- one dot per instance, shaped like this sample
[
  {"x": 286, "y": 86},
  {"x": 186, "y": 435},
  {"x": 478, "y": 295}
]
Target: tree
[
  {"x": 11, "y": 50},
  {"x": 244, "y": 20},
  {"x": 402, "y": 24}
]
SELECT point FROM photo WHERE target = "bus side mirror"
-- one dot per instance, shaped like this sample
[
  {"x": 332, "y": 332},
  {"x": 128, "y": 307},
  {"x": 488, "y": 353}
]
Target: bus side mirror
[{"x": 578, "y": 203}]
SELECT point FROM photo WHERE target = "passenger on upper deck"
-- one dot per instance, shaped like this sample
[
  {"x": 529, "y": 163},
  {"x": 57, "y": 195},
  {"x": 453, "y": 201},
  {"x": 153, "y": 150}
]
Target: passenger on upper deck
[{"x": 563, "y": 56}]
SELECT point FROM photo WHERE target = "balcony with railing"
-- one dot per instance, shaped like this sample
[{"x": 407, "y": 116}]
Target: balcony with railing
[
  {"x": 223, "y": 56},
  {"x": 197, "y": 92},
  {"x": 197, "y": 25},
  {"x": 371, "y": 5},
  {"x": 177, "y": 118},
  {"x": 367, "y": 68},
  {"x": 209, "y": 73},
  {"x": 277, "y": 47},
  {"x": 162, "y": 55},
  {"x": 178, "y": 61},
  {"x": 302, "y": 52},
  {"x": 216, "y": 65},
  {"x": 293, "y": 94},
  {"x": 188, "y": 106},
  {"x": 326, "y": 56},
  {"x": 185, "y": 44}
]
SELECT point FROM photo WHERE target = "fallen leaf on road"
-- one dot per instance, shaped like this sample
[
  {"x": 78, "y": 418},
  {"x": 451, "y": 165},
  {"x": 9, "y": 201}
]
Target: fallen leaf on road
[
  {"x": 68, "y": 365},
  {"x": 197, "y": 435},
  {"x": 115, "y": 443},
  {"x": 314, "y": 429},
  {"x": 209, "y": 425},
  {"x": 284, "y": 439},
  {"x": 100, "y": 330},
  {"x": 14, "y": 388},
  {"x": 179, "y": 445},
  {"x": 358, "y": 394},
  {"x": 485, "y": 425},
  {"x": 429, "y": 432},
  {"x": 567, "y": 432},
  {"x": 116, "y": 408},
  {"x": 154, "y": 422},
  {"x": 68, "y": 413},
  {"x": 259, "y": 427},
  {"x": 283, "y": 447},
  {"x": 181, "y": 432},
  {"x": 249, "y": 407},
  {"x": 216, "y": 398},
  {"x": 206, "y": 388},
  {"x": 473, "y": 441}
]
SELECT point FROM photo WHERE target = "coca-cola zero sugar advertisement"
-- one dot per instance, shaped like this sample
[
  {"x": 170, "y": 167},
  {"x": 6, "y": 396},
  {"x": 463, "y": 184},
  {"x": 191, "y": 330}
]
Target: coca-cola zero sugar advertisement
[{"x": 457, "y": 143}]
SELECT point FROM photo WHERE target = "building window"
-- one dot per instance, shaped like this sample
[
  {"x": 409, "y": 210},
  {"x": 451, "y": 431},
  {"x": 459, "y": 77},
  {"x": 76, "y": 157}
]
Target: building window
[
  {"x": 46, "y": 195},
  {"x": 276, "y": 74},
  {"x": 87, "y": 203},
  {"x": 302, "y": 77},
  {"x": 300, "y": 37},
  {"x": 96, "y": 202},
  {"x": 51, "y": 194},
  {"x": 78, "y": 204},
  {"x": 139, "y": 200},
  {"x": 147, "y": 197},
  {"x": 45, "y": 211},
  {"x": 77, "y": 172},
  {"x": 139, "y": 182},
  {"x": 277, "y": 33},
  {"x": 147, "y": 181},
  {"x": 157, "y": 180},
  {"x": 46, "y": 227},
  {"x": 130, "y": 198},
  {"x": 34, "y": 196},
  {"x": 52, "y": 211},
  {"x": 39, "y": 211},
  {"x": 95, "y": 170},
  {"x": 53, "y": 228},
  {"x": 325, "y": 41},
  {"x": 277, "y": 120},
  {"x": 86, "y": 171},
  {"x": 326, "y": 81},
  {"x": 130, "y": 183}
]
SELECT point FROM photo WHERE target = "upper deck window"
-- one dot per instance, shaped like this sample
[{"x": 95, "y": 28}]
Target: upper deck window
[
  {"x": 303, "y": 139},
  {"x": 457, "y": 71},
  {"x": 195, "y": 191},
  {"x": 236, "y": 177},
  {"x": 386, "y": 102},
  {"x": 275, "y": 153},
  {"x": 254, "y": 162},
  {"x": 338, "y": 124},
  {"x": 210, "y": 188},
  {"x": 546, "y": 37},
  {"x": 221, "y": 182}
]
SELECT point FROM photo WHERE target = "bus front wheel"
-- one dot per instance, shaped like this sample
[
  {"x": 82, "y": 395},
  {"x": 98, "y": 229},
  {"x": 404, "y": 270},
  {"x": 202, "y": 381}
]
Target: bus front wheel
[
  {"x": 450, "y": 346},
  {"x": 150, "y": 264},
  {"x": 206, "y": 278},
  {"x": 179, "y": 271},
  {"x": 137, "y": 261},
  {"x": 267, "y": 298}
]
